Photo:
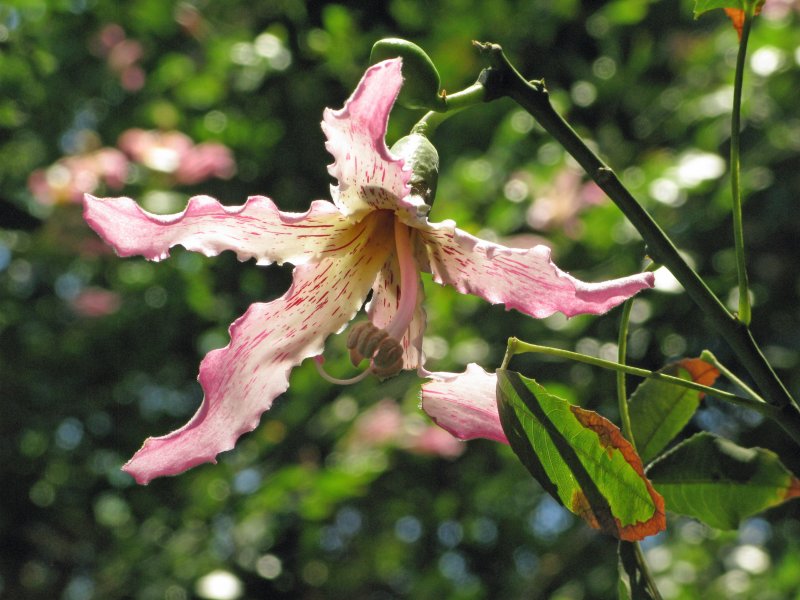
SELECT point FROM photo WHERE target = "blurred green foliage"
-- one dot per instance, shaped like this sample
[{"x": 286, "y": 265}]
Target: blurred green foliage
[{"x": 297, "y": 510}]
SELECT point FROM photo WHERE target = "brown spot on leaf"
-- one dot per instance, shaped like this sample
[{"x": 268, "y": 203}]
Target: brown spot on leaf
[
  {"x": 737, "y": 17},
  {"x": 609, "y": 435},
  {"x": 701, "y": 372},
  {"x": 793, "y": 491},
  {"x": 611, "y": 438}
]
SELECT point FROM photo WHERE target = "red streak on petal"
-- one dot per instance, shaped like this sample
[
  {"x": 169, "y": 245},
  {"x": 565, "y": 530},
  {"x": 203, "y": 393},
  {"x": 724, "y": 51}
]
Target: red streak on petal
[{"x": 349, "y": 243}]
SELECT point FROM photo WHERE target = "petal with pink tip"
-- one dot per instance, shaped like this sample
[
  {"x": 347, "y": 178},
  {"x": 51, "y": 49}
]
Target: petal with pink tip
[
  {"x": 369, "y": 176},
  {"x": 464, "y": 404},
  {"x": 257, "y": 229},
  {"x": 524, "y": 279},
  {"x": 241, "y": 380}
]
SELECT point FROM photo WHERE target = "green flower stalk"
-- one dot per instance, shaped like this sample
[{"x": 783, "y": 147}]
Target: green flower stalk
[{"x": 745, "y": 310}]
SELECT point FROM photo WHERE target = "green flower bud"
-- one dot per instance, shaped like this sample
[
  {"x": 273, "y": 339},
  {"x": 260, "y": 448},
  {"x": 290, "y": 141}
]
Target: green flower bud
[
  {"x": 421, "y": 85},
  {"x": 418, "y": 153}
]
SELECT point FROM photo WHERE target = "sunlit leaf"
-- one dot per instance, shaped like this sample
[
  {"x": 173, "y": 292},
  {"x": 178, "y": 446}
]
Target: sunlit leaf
[
  {"x": 703, "y": 6},
  {"x": 579, "y": 457},
  {"x": 720, "y": 483},
  {"x": 659, "y": 410},
  {"x": 735, "y": 9}
]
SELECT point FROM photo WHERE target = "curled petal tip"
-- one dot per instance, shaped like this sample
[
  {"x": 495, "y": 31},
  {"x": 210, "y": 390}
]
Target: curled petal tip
[{"x": 368, "y": 175}]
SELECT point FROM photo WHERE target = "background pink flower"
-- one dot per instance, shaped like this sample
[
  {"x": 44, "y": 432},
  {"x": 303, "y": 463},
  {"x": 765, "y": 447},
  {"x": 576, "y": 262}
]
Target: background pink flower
[
  {"x": 122, "y": 56},
  {"x": 175, "y": 153},
  {"x": 96, "y": 302},
  {"x": 384, "y": 425},
  {"x": 69, "y": 178},
  {"x": 435, "y": 441},
  {"x": 558, "y": 205}
]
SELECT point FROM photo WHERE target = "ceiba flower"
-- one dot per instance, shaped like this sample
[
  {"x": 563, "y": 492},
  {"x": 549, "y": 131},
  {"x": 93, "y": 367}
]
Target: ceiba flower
[
  {"x": 375, "y": 235},
  {"x": 464, "y": 404}
]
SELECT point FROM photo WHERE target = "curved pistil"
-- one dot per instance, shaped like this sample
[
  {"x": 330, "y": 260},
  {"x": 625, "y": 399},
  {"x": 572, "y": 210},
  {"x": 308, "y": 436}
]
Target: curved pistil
[
  {"x": 319, "y": 359},
  {"x": 383, "y": 347},
  {"x": 409, "y": 282}
]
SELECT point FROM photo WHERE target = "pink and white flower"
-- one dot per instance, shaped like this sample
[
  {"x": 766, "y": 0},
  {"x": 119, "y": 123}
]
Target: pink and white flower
[
  {"x": 374, "y": 236},
  {"x": 384, "y": 425},
  {"x": 464, "y": 404}
]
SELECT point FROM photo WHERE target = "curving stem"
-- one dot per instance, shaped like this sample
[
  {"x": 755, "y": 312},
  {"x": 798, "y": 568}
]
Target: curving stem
[
  {"x": 503, "y": 80},
  {"x": 745, "y": 309}
]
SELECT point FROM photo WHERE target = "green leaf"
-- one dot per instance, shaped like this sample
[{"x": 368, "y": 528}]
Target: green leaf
[
  {"x": 703, "y": 6},
  {"x": 735, "y": 9},
  {"x": 714, "y": 480},
  {"x": 660, "y": 410},
  {"x": 624, "y": 12},
  {"x": 580, "y": 458}
]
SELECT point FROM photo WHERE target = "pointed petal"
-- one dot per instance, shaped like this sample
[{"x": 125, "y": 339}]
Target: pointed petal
[
  {"x": 464, "y": 404},
  {"x": 524, "y": 279},
  {"x": 242, "y": 379},
  {"x": 257, "y": 229},
  {"x": 369, "y": 176},
  {"x": 383, "y": 307}
]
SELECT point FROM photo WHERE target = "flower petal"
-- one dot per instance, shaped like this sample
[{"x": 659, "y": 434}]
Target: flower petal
[
  {"x": 369, "y": 176},
  {"x": 383, "y": 307},
  {"x": 257, "y": 229},
  {"x": 242, "y": 380},
  {"x": 524, "y": 279},
  {"x": 465, "y": 404}
]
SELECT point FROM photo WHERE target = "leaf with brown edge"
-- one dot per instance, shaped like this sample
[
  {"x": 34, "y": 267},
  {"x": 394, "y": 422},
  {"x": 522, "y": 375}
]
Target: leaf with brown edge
[
  {"x": 581, "y": 458},
  {"x": 702, "y": 372},
  {"x": 793, "y": 489},
  {"x": 703, "y": 6},
  {"x": 720, "y": 483},
  {"x": 735, "y": 9},
  {"x": 660, "y": 410},
  {"x": 736, "y": 16},
  {"x": 611, "y": 438}
]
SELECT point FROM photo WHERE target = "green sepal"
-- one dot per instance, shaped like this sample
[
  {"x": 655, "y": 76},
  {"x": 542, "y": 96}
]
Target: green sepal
[
  {"x": 421, "y": 86},
  {"x": 417, "y": 152}
]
